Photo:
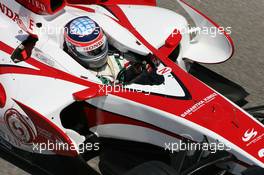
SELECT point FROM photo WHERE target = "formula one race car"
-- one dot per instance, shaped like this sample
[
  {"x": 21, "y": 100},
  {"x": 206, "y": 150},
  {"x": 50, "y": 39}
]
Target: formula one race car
[{"x": 120, "y": 81}]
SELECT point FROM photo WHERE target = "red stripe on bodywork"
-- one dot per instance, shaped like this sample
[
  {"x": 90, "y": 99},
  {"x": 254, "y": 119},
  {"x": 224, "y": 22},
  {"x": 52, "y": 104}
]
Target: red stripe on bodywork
[
  {"x": 219, "y": 115},
  {"x": 87, "y": 9},
  {"x": 2, "y": 96},
  {"x": 55, "y": 133},
  {"x": 114, "y": 2},
  {"x": 44, "y": 70}
]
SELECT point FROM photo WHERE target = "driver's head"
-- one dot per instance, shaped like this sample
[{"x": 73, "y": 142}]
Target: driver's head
[{"x": 86, "y": 41}]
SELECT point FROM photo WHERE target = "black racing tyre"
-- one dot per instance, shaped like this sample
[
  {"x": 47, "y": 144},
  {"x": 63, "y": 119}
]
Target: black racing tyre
[{"x": 152, "y": 168}]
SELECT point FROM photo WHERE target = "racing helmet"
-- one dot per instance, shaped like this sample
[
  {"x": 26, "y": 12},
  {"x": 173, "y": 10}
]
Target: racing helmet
[{"x": 86, "y": 41}]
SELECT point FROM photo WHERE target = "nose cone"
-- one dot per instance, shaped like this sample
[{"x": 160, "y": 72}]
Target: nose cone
[{"x": 238, "y": 129}]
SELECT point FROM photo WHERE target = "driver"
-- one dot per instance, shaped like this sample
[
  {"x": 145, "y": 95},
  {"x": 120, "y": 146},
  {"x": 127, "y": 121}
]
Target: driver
[{"x": 86, "y": 42}]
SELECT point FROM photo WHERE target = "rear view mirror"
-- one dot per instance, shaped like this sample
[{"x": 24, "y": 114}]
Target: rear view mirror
[{"x": 24, "y": 50}]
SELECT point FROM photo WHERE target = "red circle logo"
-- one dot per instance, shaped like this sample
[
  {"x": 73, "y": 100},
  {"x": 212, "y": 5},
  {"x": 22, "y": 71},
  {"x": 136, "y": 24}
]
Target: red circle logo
[
  {"x": 2, "y": 96},
  {"x": 21, "y": 127}
]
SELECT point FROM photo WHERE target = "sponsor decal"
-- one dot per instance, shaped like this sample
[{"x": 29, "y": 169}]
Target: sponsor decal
[
  {"x": 37, "y": 4},
  {"x": 261, "y": 153},
  {"x": 22, "y": 25},
  {"x": 45, "y": 132},
  {"x": 2, "y": 96},
  {"x": 164, "y": 71},
  {"x": 249, "y": 134},
  {"x": 38, "y": 54},
  {"x": 92, "y": 47},
  {"x": 15, "y": 17},
  {"x": 20, "y": 127},
  {"x": 8, "y": 12},
  {"x": 199, "y": 105}
]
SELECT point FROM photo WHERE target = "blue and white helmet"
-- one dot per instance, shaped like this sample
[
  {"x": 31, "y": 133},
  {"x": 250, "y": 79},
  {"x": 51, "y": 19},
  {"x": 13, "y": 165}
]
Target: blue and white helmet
[{"x": 87, "y": 42}]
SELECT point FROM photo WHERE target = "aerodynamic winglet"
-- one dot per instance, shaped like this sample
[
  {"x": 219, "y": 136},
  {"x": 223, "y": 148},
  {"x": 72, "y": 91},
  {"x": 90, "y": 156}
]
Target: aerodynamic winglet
[{"x": 88, "y": 93}]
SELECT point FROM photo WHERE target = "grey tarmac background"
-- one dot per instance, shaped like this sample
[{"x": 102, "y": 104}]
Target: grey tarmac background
[{"x": 247, "y": 65}]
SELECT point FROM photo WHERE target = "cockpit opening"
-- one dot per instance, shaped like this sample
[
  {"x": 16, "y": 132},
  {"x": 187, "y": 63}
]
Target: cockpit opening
[{"x": 86, "y": 42}]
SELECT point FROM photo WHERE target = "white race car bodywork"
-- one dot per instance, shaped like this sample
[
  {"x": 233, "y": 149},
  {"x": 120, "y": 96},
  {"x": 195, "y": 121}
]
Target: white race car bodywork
[{"x": 48, "y": 95}]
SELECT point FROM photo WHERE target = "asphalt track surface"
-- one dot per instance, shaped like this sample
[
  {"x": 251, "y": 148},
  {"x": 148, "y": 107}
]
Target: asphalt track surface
[{"x": 247, "y": 65}]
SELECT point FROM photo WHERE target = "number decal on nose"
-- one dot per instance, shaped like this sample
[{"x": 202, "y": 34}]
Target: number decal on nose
[{"x": 164, "y": 71}]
